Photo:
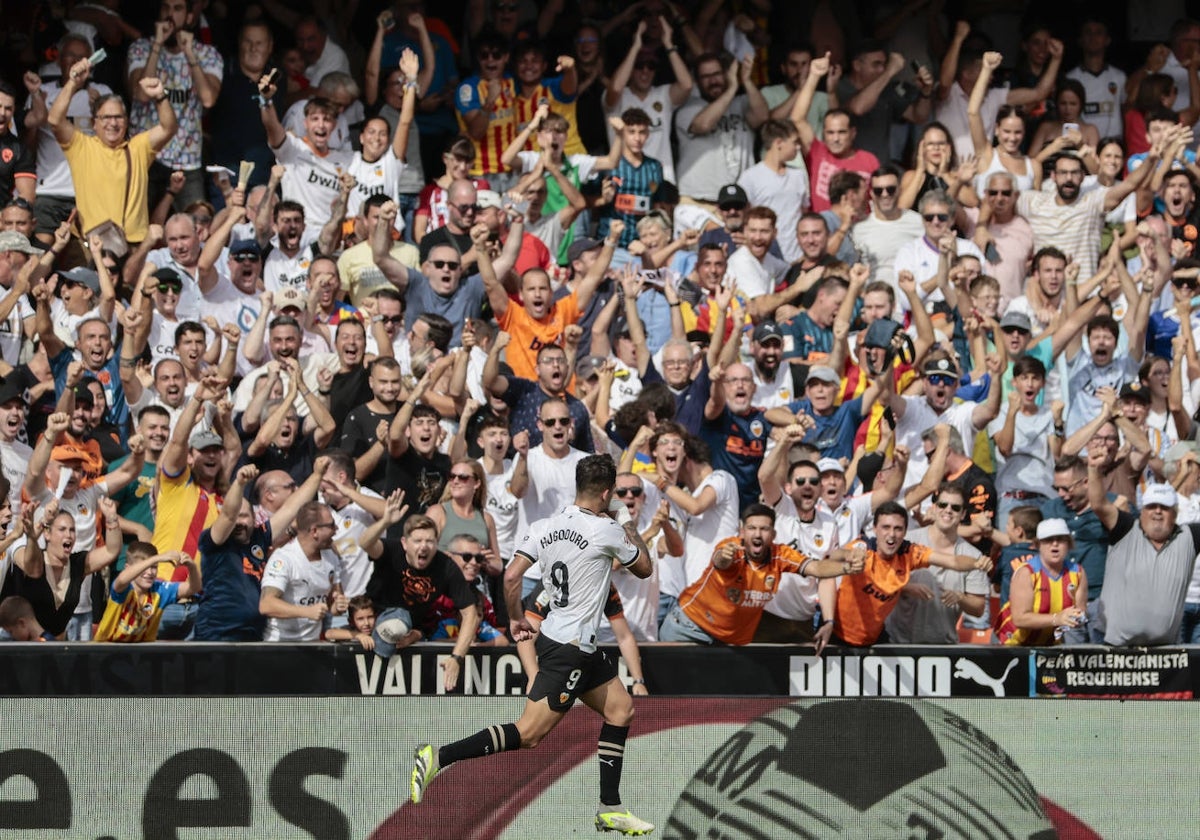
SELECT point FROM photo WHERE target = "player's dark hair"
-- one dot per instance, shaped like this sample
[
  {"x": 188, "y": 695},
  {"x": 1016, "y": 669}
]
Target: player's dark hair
[
  {"x": 635, "y": 116},
  {"x": 359, "y": 603},
  {"x": 340, "y": 459},
  {"x": 595, "y": 474},
  {"x": 697, "y": 450},
  {"x": 890, "y": 509},
  {"x": 1028, "y": 364},
  {"x": 758, "y": 509}
]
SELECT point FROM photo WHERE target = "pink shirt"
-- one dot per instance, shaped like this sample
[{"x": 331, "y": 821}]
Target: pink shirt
[{"x": 823, "y": 165}]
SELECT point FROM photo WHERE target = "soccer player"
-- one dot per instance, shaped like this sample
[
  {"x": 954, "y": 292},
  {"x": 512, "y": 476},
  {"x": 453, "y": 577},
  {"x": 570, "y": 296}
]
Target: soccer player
[{"x": 576, "y": 548}]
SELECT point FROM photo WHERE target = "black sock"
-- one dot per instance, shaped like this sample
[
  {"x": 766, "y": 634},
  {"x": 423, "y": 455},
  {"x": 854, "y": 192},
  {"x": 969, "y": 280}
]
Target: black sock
[
  {"x": 494, "y": 739},
  {"x": 611, "y": 748}
]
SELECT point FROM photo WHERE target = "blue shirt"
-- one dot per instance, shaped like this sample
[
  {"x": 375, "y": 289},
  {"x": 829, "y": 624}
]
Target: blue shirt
[
  {"x": 738, "y": 443},
  {"x": 1009, "y": 555},
  {"x": 689, "y": 403},
  {"x": 109, "y": 378},
  {"x": 232, "y": 573},
  {"x": 525, "y": 398},
  {"x": 803, "y": 337},
  {"x": 833, "y": 434},
  {"x": 466, "y": 302},
  {"x": 440, "y": 120},
  {"x": 636, "y": 188}
]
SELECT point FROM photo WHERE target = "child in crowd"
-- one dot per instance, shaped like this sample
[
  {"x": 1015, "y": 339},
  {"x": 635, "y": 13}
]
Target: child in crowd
[
  {"x": 361, "y": 611},
  {"x": 1016, "y": 543},
  {"x": 137, "y": 596},
  {"x": 19, "y": 622}
]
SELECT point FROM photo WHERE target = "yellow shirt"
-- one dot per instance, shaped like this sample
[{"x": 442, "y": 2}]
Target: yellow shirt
[
  {"x": 100, "y": 174},
  {"x": 360, "y": 277}
]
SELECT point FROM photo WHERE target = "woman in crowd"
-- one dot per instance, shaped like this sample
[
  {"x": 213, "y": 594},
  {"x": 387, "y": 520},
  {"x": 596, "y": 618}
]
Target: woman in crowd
[
  {"x": 462, "y": 511},
  {"x": 1003, "y": 151},
  {"x": 937, "y": 168}
]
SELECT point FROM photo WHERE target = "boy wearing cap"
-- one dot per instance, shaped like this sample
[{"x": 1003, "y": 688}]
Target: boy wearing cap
[{"x": 1048, "y": 593}]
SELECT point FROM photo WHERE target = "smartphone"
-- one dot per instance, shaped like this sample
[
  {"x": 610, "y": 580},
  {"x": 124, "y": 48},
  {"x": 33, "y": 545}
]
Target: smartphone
[
  {"x": 991, "y": 254},
  {"x": 1069, "y": 127},
  {"x": 96, "y": 57}
]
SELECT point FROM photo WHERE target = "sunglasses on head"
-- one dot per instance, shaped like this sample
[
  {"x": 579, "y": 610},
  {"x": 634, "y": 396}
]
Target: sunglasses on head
[
  {"x": 951, "y": 506},
  {"x": 994, "y": 193},
  {"x": 936, "y": 217},
  {"x": 551, "y": 422},
  {"x": 450, "y": 264},
  {"x": 940, "y": 379},
  {"x": 629, "y": 491},
  {"x": 890, "y": 190}
]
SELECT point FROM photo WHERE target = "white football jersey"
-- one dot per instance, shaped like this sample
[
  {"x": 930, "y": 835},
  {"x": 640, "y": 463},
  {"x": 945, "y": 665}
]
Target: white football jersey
[
  {"x": 302, "y": 583},
  {"x": 575, "y": 549},
  {"x": 311, "y": 178}
]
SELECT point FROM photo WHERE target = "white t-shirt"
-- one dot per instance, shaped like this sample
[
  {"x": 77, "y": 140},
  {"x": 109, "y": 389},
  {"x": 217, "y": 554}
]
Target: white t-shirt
[
  {"x": 573, "y": 551},
  {"x": 311, "y": 178},
  {"x": 922, "y": 261},
  {"x": 852, "y": 516},
  {"x": 12, "y": 330},
  {"x": 952, "y": 113},
  {"x": 14, "y": 461},
  {"x": 659, "y": 108},
  {"x": 84, "y": 506},
  {"x": 786, "y": 194},
  {"x": 709, "y": 528},
  {"x": 796, "y": 598},
  {"x": 190, "y": 306},
  {"x": 754, "y": 278},
  {"x": 281, "y": 271},
  {"x": 1104, "y": 94},
  {"x": 708, "y": 162},
  {"x": 502, "y": 505},
  {"x": 351, "y": 521},
  {"x": 879, "y": 240},
  {"x": 551, "y": 487},
  {"x": 778, "y": 392},
  {"x": 918, "y": 417},
  {"x": 382, "y": 176},
  {"x": 302, "y": 582},
  {"x": 339, "y": 138}
]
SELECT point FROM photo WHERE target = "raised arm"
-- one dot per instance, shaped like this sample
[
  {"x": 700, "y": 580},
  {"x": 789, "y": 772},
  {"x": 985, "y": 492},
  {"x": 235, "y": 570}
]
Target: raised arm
[
  {"x": 161, "y": 133},
  {"x": 1098, "y": 500},
  {"x": 276, "y": 133},
  {"x": 817, "y": 68},
  {"x": 979, "y": 138},
  {"x": 1046, "y": 82},
  {"x": 381, "y": 247},
  {"x": 370, "y": 540},
  {"x": 283, "y": 518},
  {"x": 620, "y": 77},
  {"x": 706, "y": 121}
]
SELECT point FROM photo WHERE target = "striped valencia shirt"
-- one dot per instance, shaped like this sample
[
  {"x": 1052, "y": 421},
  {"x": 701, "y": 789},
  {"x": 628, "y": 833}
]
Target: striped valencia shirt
[{"x": 502, "y": 120}]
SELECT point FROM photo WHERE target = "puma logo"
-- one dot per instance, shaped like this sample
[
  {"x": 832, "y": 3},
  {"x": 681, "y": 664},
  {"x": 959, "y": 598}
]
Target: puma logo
[
  {"x": 967, "y": 669},
  {"x": 608, "y": 761}
]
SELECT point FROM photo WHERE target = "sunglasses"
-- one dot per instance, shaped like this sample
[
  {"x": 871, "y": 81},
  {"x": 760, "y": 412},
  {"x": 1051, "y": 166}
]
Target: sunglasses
[
  {"x": 1068, "y": 487},
  {"x": 629, "y": 491},
  {"x": 391, "y": 319},
  {"x": 1007, "y": 330},
  {"x": 245, "y": 257},
  {"x": 885, "y": 190},
  {"x": 19, "y": 202},
  {"x": 466, "y": 208},
  {"x": 1005, "y": 193},
  {"x": 949, "y": 506},
  {"x": 167, "y": 288},
  {"x": 551, "y": 422},
  {"x": 462, "y": 476},
  {"x": 471, "y": 557},
  {"x": 940, "y": 379},
  {"x": 811, "y": 481},
  {"x": 936, "y": 217},
  {"x": 450, "y": 264}
]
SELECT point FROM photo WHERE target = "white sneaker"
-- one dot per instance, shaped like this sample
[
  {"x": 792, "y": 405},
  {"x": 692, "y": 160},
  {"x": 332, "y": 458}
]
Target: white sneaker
[{"x": 622, "y": 822}]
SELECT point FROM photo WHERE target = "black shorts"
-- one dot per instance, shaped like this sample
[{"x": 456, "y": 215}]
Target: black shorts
[{"x": 565, "y": 672}]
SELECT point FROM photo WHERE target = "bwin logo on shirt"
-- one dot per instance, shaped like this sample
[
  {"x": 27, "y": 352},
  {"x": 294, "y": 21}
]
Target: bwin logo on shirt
[{"x": 328, "y": 182}]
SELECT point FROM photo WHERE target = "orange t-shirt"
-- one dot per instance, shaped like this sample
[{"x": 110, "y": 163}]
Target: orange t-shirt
[
  {"x": 728, "y": 603},
  {"x": 529, "y": 336},
  {"x": 865, "y": 600}
]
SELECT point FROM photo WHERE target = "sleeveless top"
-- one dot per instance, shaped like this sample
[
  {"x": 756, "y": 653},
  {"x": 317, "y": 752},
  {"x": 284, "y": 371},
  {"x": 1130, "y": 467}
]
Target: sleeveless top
[
  {"x": 456, "y": 525},
  {"x": 1050, "y": 595},
  {"x": 53, "y": 618},
  {"x": 1024, "y": 182}
]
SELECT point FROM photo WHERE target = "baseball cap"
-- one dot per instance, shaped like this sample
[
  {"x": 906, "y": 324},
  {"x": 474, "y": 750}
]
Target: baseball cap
[
  {"x": 82, "y": 276},
  {"x": 767, "y": 331},
  {"x": 1159, "y": 494},
  {"x": 11, "y": 240},
  {"x": 1019, "y": 320},
  {"x": 943, "y": 366},
  {"x": 830, "y": 465},
  {"x": 488, "y": 198},
  {"x": 291, "y": 296},
  {"x": 84, "y": 395},
  {"x": 244, "y": 246},
  {"x": 1135, "y": 391},
  {"x": 585, "y": 368},
  {"x": 1051, "y": 528},
  {"x": 205, "y": 438},
  {"x": 169, "y": 275},
  {"x": 12, "y": 391},
  {"x": 821, "y": 373},
  {"x": 731, "y": 195},
  {"x": 580, "y": 247}
]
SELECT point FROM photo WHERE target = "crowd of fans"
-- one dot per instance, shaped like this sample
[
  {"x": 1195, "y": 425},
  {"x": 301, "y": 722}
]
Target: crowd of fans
[{"x": 305, "y": 318}]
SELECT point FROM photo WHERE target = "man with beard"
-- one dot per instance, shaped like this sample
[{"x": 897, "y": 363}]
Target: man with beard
[
  {"x": 773, "y": 183},
  {"x": 313, "y": 168},
  {"x": 736, "y": 430},
  {"x": 365, "y": 430},
  {"x": 773, "y": 386},
  {"x": 1099, "y": 366},
  {"x": 133, "y": 501},
  {"x": 808, "y": 335},
  {"x": 233, "y": 554},
  {"x": 237, "y": 131},
  {"x": 409, "y": 575},
  {"x": 14, "y": 453},
  {"x": 302, "y": 582},
  {"x": 917, "y": 413},
  {"x": 867, "y": 597},
  {"x": 192, "y": 473},
  {"x": 802, "y": 524},
  {"x": 725, "y": 605},
  {"x": 1149, "y": 567},
  {"x": 716, "y": 129},
  {"x": 757, "y": 270},
  {"x": 414, "y": 464},
  {"x": 732, "y": 203},
  {"x": 526, "y": 396},
  {"x": 109, "y": 169},
  {"x": 191, "y": 74},
  {"x": 888, "y": 227},
  {"x": 296, "y": 239},
  {"x": 1070, "y": 220},
  {"x": 94, "y": 347}
]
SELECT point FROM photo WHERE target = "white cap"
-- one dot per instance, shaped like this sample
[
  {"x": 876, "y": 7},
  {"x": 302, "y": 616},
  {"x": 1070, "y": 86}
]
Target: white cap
[
  {"x": 1050, "y": 528},
  {"x": 830, "y": 465},
  {"x": 1159, "y": 494}
]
